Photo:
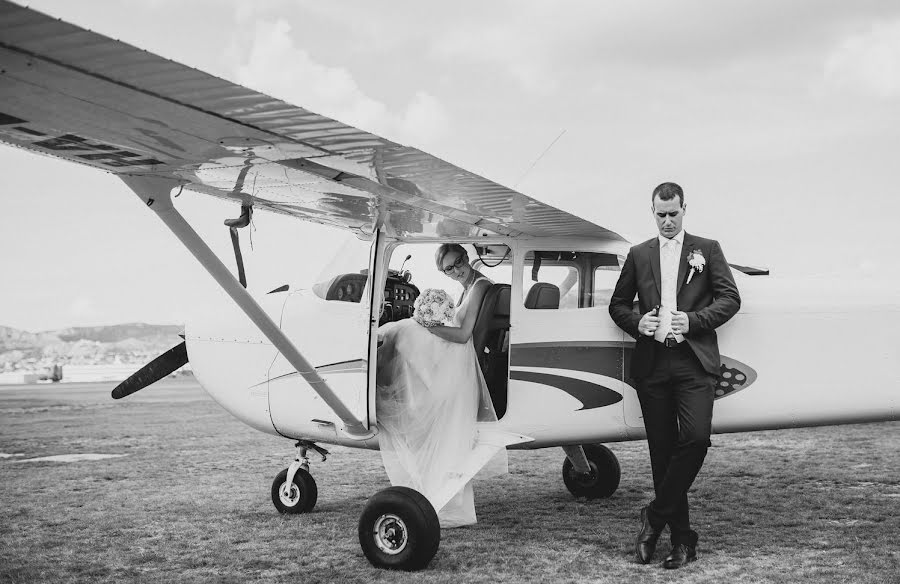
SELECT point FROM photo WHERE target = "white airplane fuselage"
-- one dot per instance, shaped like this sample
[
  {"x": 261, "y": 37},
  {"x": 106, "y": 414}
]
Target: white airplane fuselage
[{"x": 798, "y": 353}]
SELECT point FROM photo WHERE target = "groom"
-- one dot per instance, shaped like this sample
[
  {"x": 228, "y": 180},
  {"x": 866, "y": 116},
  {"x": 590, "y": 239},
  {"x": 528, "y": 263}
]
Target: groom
[{"x": 685, "y": 290}]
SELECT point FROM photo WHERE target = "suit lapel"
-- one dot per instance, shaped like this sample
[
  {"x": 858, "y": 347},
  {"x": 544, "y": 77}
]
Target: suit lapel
[
  {"x": 686, "y": 247},
  {"x": 654, "y": 264}
]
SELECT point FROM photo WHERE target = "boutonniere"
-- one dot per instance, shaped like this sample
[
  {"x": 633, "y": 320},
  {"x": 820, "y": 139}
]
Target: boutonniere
[{"x": 696, "y": 261}]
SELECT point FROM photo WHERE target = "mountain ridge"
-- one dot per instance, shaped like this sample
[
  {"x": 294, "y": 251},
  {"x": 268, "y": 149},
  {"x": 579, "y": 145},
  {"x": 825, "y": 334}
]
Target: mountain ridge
[{"x": 126, "y": 343}]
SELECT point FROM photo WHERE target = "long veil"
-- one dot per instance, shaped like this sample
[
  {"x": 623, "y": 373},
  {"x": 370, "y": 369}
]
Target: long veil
[{"x": 432, "y": 407}]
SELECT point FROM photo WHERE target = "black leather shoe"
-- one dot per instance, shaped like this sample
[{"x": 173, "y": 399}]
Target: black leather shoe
[
  {"x": 681, "y": 554},
  {"x": 646, "y": 539}
]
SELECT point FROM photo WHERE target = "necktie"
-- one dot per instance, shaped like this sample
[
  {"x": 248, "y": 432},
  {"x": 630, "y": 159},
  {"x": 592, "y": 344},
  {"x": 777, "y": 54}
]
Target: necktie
[{"x": 669, "y": 275}]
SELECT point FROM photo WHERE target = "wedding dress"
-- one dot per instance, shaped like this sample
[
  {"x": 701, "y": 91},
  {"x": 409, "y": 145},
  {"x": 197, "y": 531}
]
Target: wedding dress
[{"x": 430, "y": 399}]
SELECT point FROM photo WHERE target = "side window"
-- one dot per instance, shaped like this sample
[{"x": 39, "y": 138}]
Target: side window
[
  {"x": 605, "y": 278},
  {"x": 566, "y": 280},
  {"x": 551, "y": 280}
]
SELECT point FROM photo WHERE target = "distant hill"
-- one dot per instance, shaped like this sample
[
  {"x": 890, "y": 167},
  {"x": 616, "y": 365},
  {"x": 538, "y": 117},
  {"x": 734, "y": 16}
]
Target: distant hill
[
  {"x": 119, "y": 332},
  {"x": 94, "y": 345}
]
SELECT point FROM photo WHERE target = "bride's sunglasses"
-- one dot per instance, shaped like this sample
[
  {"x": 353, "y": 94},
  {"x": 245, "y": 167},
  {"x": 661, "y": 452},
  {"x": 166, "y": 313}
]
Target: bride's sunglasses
[{"x": 457, "y": 264}]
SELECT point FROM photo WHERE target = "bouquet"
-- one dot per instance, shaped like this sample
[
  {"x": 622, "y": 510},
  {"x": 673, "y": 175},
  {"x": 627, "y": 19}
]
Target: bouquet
[{"x": 433, "y": 307}]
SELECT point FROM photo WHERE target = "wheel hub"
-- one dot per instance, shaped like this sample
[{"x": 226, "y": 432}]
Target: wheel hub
[
  {"x": 587, "y": 479},
  {"x": 391, "y": 535},
  {"x": 289, "y": 494}
]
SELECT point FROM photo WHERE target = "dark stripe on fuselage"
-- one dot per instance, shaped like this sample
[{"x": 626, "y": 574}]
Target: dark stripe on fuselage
[
  {"x": 601, "y": 358},
  {"x": 613, "y": 359},
  {"x": 589, "y": 394}
]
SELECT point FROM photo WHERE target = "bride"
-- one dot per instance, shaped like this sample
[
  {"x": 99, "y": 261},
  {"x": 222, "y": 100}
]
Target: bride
[{"x": 430, "y": 393}]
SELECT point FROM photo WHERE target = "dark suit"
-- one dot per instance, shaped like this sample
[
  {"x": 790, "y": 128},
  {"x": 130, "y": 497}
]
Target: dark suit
[{"x": 676, "y": 385}]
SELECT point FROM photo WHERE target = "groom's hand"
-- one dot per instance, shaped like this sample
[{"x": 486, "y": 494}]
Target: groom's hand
[
  {"x": 648, "y": 324},
  {"x": 680, "y": 323}
]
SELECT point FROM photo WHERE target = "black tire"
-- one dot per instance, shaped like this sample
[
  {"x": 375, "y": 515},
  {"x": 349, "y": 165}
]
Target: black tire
[
  {"x": 300, "y": 497},
  {"x": 399, "y": 530},
  {"x": 603, "y": 479}
]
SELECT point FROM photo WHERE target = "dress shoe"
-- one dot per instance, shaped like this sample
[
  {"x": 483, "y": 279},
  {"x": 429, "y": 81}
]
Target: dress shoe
[
  {"x": 681, "y": 554},
  {"x": 646, "y": 539}
]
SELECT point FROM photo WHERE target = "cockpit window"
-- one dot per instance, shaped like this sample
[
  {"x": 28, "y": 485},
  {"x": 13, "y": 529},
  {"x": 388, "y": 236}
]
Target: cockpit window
[{"x": 345, "y": 277}]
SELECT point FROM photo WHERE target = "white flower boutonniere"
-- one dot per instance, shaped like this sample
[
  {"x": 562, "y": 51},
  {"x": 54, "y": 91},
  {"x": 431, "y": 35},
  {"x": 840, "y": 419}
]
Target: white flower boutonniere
[{"x": 696, "y": 261}]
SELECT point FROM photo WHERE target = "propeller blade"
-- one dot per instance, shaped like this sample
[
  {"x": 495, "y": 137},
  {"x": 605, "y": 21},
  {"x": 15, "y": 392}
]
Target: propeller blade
[{"x": 153, "y": 371}]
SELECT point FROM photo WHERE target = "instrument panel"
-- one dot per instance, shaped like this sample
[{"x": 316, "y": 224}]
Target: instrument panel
[
  {"x": 399, "y": 295},
  {"x": 399, "y": 298},
  {"x": 347, "y": 288}
]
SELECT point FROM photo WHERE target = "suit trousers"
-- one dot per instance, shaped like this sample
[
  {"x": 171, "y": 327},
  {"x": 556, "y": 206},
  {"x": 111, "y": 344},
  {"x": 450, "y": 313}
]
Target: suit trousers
[{"x": 677, "y": 404}]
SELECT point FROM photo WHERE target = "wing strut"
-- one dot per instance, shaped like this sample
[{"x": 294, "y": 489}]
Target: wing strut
[{"x": 156, "y": 193}]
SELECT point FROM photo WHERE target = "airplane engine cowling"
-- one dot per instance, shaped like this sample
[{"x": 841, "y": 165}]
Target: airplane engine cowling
[
  {"x": 333, "y": 336},
  {"x": 231, "y": 358}
]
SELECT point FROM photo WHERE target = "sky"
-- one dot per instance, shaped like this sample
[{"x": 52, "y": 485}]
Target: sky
[{"x": 779, "y": 119}]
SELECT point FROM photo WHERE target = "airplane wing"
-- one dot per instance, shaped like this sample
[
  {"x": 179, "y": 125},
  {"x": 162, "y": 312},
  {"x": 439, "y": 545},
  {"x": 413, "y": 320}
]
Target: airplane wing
[{"x": 74, "y": 94}]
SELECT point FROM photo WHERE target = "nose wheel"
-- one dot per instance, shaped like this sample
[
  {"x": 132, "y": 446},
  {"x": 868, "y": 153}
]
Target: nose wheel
[
  {"x": 294, "y": 489},
  {"x": 295, "y": 496}
]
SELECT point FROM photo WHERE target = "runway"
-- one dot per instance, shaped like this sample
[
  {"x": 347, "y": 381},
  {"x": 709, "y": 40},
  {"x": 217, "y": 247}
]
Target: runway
[{"x": 186, "y": 498}]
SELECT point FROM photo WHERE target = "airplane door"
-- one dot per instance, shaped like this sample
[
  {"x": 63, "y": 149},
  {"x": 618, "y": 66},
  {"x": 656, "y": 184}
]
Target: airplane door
[
  {"x": 566, "y": 353},
  {"x": 330, "y": 324}
]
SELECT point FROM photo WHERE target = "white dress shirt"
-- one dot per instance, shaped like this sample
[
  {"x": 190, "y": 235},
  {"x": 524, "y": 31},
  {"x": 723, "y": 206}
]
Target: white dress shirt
[{"x": 669, "y": 260}]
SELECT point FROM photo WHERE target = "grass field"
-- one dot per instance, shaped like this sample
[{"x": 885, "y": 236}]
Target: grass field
[{"x": 190, "y": 503}]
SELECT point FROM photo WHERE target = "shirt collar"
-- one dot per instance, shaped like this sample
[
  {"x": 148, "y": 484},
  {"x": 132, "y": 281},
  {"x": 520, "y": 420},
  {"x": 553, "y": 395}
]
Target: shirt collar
[{"x": 678, "y": 239}]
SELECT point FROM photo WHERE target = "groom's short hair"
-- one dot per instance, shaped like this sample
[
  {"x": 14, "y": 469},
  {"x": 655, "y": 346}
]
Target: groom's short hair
[{"x": 667, "y": 191}]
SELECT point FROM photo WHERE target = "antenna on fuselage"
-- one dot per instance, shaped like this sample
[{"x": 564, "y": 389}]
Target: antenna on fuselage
[{"x": 533, "y": 164}]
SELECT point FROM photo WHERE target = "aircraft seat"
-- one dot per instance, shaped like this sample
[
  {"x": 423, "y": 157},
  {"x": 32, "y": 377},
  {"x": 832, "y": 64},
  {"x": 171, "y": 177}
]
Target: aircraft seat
[
  {"x": 491, "y": 339},
  {"x": 543, "y": 295}
]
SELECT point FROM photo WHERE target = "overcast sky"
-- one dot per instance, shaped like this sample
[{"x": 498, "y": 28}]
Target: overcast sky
[{"x": 781, "y": 120}]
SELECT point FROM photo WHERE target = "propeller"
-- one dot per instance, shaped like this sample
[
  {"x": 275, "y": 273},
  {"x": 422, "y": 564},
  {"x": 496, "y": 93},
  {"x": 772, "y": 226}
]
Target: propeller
[{"x": 153, "y": 371}]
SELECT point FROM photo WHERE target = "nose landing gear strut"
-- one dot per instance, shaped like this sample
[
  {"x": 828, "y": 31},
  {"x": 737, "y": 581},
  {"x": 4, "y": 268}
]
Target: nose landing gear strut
[{"x": 294, "y": 489}]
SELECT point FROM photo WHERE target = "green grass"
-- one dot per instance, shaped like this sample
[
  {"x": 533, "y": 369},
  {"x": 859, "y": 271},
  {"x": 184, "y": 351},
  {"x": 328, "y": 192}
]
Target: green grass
[{"x": 190, "y": 503}]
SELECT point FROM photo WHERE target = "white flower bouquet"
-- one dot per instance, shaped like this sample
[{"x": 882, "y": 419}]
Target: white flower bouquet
[{"x": 433, "y": 307}]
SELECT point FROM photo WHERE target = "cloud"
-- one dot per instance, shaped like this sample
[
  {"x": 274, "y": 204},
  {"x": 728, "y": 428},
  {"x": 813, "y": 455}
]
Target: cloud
[
  {"x": 425, "y": 118},
  {"x": 868, "y": 63},
  {"x": 518, "y": 55},
  {"x": 82, "y": 307},
  {"x": 276, "y": 66},
  {"x": 545, "y": 47}
]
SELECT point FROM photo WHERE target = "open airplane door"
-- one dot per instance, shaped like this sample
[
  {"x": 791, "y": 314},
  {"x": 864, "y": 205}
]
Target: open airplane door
[{"x": 331, "y": 324}]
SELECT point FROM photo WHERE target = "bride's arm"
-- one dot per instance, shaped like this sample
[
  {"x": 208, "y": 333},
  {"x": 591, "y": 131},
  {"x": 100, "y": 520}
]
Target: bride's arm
[{"x": 462, "y": 333}]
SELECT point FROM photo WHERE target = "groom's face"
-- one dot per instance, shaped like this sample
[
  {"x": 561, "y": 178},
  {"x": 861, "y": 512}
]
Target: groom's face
[{"x": 669, "y": 215}]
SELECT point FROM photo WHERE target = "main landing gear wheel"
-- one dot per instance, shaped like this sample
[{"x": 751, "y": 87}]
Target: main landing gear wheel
[
  {"x": 298, "y": 496},
  {"x": 602, "y": 481},
  {"x": 399, "y": 530}
]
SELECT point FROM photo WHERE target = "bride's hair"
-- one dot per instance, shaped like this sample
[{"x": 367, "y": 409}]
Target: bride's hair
[{"x": 446, "y": 248}]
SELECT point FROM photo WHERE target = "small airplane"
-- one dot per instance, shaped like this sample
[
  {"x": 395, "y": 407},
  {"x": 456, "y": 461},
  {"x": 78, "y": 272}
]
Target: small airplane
[{"x": 298, "y": 363}]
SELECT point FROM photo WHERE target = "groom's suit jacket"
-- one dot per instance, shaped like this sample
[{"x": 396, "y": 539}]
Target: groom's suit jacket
[{"x": 710, "y": 299}]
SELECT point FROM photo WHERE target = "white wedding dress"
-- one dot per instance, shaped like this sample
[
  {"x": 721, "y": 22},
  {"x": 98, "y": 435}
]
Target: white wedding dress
[{"x": 431, "y": 396}]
